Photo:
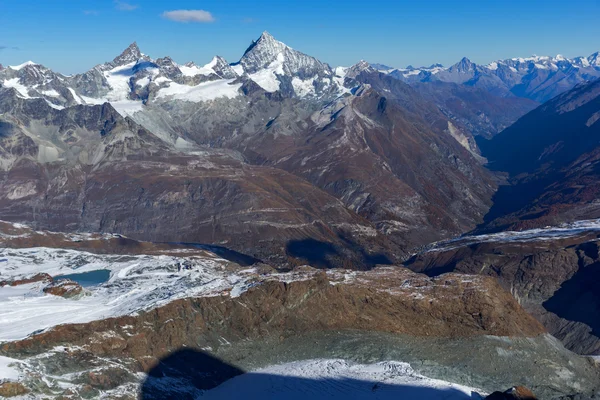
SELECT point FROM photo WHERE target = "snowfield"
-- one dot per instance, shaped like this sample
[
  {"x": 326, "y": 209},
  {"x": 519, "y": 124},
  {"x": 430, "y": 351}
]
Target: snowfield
[
  {"x": 135, "y": 283},
  {"x": 339, "y": 379},
  {"x": 205, "y": 91}
]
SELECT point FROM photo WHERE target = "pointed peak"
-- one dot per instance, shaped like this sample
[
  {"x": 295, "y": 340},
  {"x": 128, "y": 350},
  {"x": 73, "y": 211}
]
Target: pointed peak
[
  {"x": 130, "y": 54},
  {"x": 358, "y": 68},
  {"x": 266, "y": 36},
  {"x": 266, "y": 43},
  {"x": 362, "y": 64},
  {"x": 464, "y": 65}
]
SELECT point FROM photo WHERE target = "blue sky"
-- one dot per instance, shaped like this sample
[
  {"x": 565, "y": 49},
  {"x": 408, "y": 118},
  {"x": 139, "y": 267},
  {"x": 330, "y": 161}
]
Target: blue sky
[{"x": 72, "y": 36}]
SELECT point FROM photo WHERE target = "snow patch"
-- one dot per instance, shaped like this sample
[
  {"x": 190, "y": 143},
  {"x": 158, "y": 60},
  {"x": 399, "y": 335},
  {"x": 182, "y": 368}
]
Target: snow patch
[{"x": 205, "y": 91}]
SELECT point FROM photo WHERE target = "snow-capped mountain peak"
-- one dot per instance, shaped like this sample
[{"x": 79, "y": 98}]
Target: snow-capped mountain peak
[
  {"x": 21, "y": 66},
  {"x": 274, "y": 66},
  {"x": 358, "y": 68},
  {"x": 262, "y": 53}
]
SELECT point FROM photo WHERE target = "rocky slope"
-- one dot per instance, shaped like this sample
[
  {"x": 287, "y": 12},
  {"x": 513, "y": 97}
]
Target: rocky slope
[
  {"x": 553, "y": 273},
  {"x": 552, "y": 171},
  {"x": 480, "y": 111}
]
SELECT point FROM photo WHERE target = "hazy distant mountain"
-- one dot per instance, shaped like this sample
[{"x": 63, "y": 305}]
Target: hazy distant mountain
[{"x": 538, "y": 78}]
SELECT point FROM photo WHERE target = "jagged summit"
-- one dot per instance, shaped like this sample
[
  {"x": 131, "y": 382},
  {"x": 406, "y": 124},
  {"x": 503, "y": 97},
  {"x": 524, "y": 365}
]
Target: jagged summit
[
  {"x": 266, "y": 36},
  {"x": 129, "y": 55},
  {"x": 358, "y": 68},
  {"x": 464, "y": 65}
]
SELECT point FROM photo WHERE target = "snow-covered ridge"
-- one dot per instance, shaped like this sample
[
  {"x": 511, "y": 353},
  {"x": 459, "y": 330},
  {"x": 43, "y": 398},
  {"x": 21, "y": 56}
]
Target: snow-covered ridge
[
  {"x": 133, "y": 80},
  {"x": 20, "y": 66},
  {"x": 543, "y": 62},
  {"x": 549, "y": 233}
]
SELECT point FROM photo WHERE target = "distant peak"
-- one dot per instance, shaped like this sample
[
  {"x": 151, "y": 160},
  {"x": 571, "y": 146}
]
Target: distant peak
[
  {"x": 464, "y": 65},
  {"x": 130, "y": 54},
  {"x": 20, "y": 66},
  {"x": 362, "y": 64},
  {"x": 358, "y": 68}
]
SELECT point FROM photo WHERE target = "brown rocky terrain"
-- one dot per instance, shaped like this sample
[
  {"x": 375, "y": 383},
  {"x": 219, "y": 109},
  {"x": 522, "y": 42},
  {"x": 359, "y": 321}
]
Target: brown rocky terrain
[
  {"x": 515, "y": 393},
  {"x": 64, "y": 288},
  {"x": 556, "y": 280},
  {"x": 392, "y": 299}
]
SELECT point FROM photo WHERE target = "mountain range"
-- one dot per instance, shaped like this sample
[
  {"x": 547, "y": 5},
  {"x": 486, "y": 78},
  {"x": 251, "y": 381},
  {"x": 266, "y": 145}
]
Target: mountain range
[
  {"x": 538, "y": 78},
  {"x": 277, "y": 208},
  {"x": 316, "y": 163},
  {"x": 259, "y": 132}
]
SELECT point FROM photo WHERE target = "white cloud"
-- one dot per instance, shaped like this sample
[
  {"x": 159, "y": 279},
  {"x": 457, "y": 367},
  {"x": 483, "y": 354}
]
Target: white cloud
[
  {"x": 189, "y": 16},
  {"x": 123, "y": 6}
]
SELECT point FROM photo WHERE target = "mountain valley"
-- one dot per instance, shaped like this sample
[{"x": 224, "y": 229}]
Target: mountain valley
[{"x": 282, "y": 220}]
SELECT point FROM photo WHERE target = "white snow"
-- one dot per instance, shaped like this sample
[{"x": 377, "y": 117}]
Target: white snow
[
  {"x": 238, "y": 69},
  {"x": 118, "y": 79},
  {"x": 539, "y": 234},
  {"x": 127, "y": 107},
  {"x": 303, "y": 88},
  {"x": 56, "y": 107},
  {"x": 16, "y": 84},
  {"x": 143, "y": 82},
  {"x": 339, "y": 379},
  {"x": 51, "y": 93},
  {"x": 413, "y": 72},
  {"x": 118, "y": 96},
  {"x": 20, "y": 66},
  {"x": 75, "y": 96},
  {"x": 267, "y": 78},
  {"x": 203, "y": 92},
  {"x": 136, "y": 283},
  {"x": 193, "y": 70},
  {"x": 8, "y": 370}
]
